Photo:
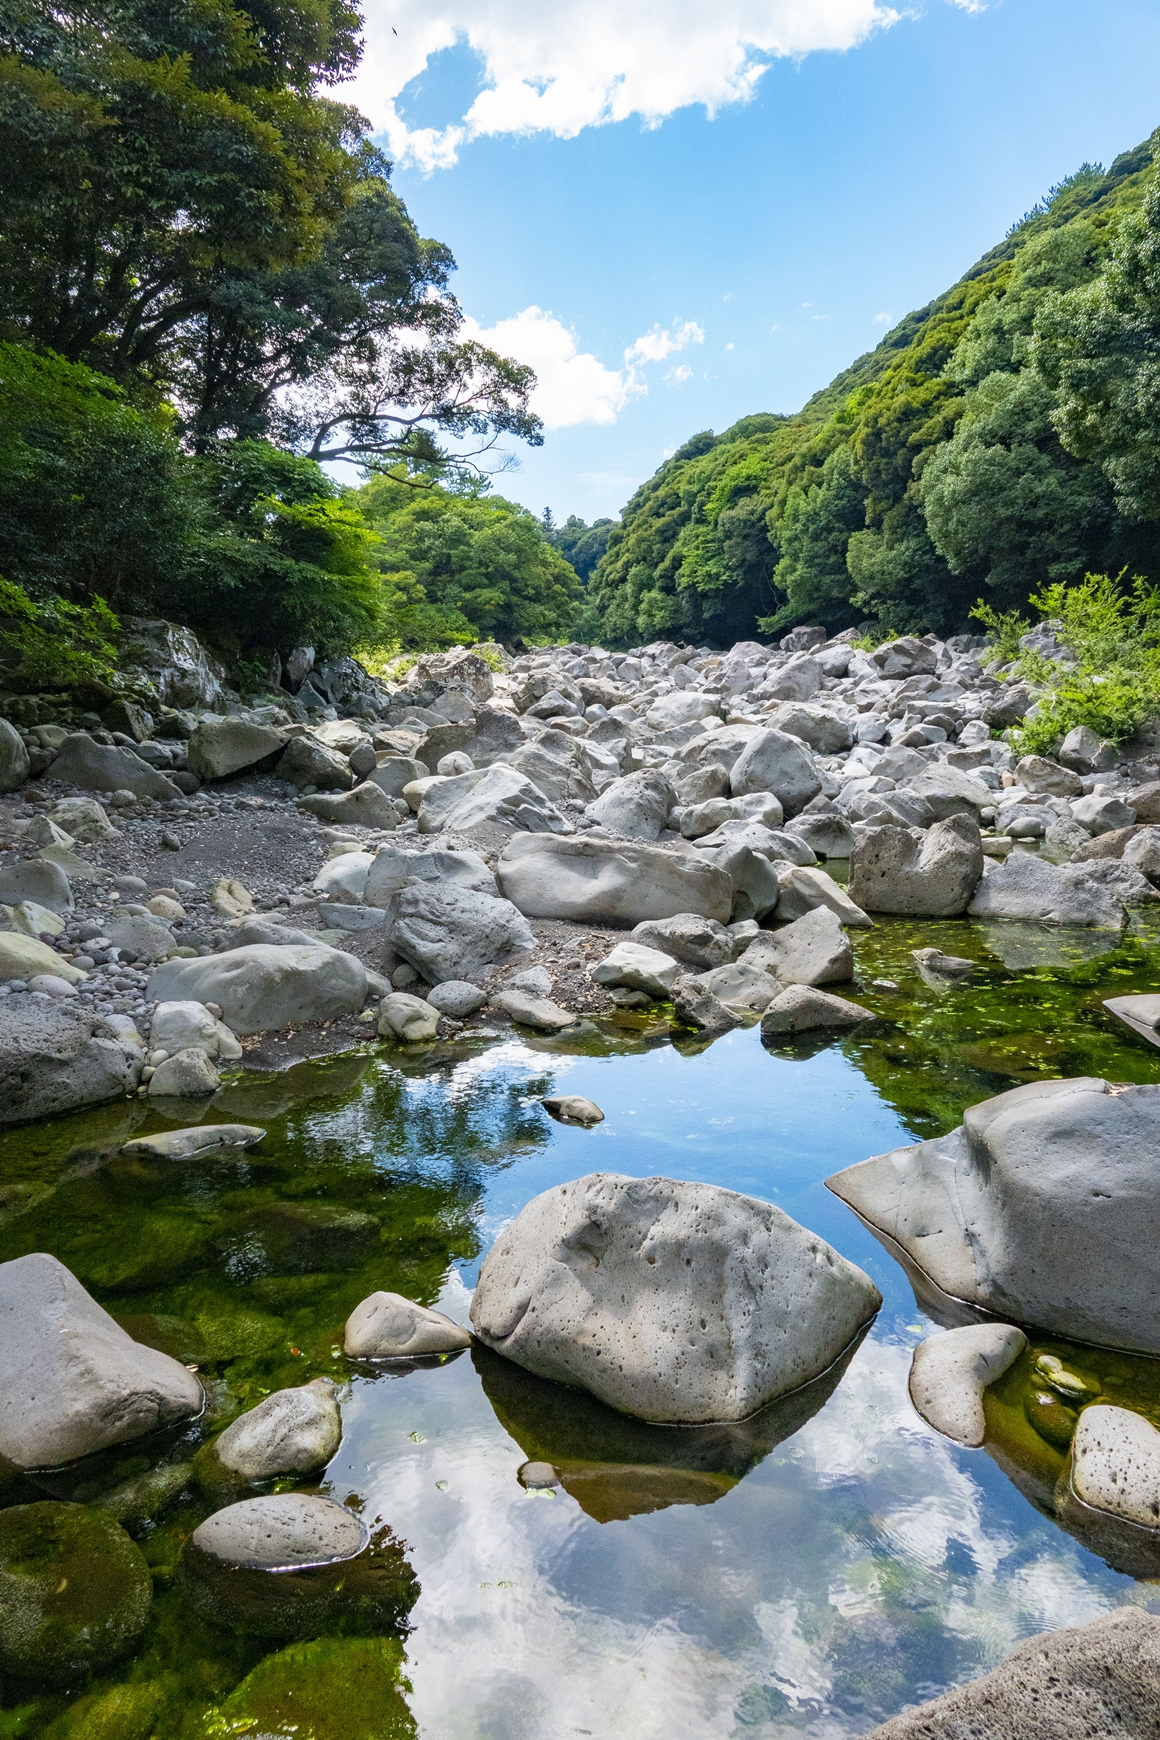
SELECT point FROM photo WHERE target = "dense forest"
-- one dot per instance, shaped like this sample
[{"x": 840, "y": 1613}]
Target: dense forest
[
  {"x": 210, "y": 292},
  {"x": 1005, "y": 437}
]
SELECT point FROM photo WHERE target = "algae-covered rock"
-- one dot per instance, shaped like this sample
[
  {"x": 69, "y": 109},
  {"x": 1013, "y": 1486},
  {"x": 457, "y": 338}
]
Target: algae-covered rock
[
  {"x": 124, "y": 1713},
  {"x": 302, "y": 1238},
  {"x": 138, "y": 1502},
  {"x": 75, "y": 1593},
  {"x": 331, "y": 1689}
]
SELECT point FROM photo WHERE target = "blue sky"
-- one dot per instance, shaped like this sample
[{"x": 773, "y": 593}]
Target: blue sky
[{"x": 779, "y": 180}]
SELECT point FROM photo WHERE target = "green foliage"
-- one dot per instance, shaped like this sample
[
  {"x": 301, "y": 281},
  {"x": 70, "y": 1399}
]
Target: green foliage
[
  {"x": 580, "y": 544},
  {"x": 462, "y": 567},
  {"x": 944, "y": 463},
  {"x": 49, "y": 644},
  {"x": 1109, "y": 678}
]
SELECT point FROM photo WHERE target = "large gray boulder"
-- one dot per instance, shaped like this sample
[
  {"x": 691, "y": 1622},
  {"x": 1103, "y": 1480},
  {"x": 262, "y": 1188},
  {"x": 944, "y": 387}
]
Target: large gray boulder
[
  {"x": 306, "y": 761},
  {"x": 926, "y": 875},
  {"x": 175, "y": 667},
  {"x": 756, "y": 889},
  {"x": 742, "y": 987},
  {"x": 261, "y": 986},
  {"x": 827, "y": 833},
  {"x": 814, "y": 950},
  {"x": 490, "y": 794},
  {"x": 802, "y": 889},
  {"x": 1040, "y": 1207},
  {"x": 594, "y": 881},
  {"x": 948, "y": 791},
  {"x": 219, "y": 747},
  {"x": 394, "y": 867},
  {"x": 824, "y": 732},
  {"x": 38, "y": 880},
  {"x": 698, "y": 942},
  {"x": 795, "y": 681},
  {"x": 100, "y": 767},
  {"x": 1024, "y": 886},
  {"x": 291, "y": 1432},
  {"x": 71, "y": 1380},
  {"x": 637, "y": 967},
  {"x": 366, "y": 805},
  {"x": 1097, "y": 1679},
  {"x": 449, "y": 932},
  {"x": 683, "y": 707},
  {"x": 636, "y": 806},
  {"x": 772, "y": 761},
  {"x": 14, "y": 762},
  {"x": 680, "y": 1303},
  {"x": 55, "y": 1057},
  {"x": 905, "y": 657}
]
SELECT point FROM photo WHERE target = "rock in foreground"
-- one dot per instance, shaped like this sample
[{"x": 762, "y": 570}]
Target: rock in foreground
[
  {"x": 71, "y": 1380},
  {"x": 55, "y": 1057},
  {"x": 75, "y": 1593},
  {"x": 261, "y": 986},
  {"x": 1091, "y": 1680},
  {"x": 679, "y": 1303},
  {"x": 1041, "y": 1206}
]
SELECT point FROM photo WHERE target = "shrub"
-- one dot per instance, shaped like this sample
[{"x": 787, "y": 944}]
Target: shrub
[{"x": 55, "y": 645}]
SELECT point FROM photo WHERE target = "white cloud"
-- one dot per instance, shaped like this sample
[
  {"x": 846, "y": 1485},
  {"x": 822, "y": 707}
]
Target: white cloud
[
  {"x": 573, "y": 386},
  {"x": 680, "y": 374},
  {"x": 565, "y": 65},
  {"x": 883, "y": 319}
]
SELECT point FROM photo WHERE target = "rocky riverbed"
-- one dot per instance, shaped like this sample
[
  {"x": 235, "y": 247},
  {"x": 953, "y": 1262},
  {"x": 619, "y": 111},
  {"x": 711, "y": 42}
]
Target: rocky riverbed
[{"x": 262, "y": 962}]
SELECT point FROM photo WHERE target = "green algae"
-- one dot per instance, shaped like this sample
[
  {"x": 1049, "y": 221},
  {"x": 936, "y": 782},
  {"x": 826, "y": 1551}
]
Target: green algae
[
  {"x": 74, "y": 1590},
  {"x": 331, "y": 1689}
]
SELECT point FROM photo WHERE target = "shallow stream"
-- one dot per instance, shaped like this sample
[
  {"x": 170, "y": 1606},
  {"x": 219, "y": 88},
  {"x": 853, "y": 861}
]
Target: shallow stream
[{"x": 807, "y": 1574}]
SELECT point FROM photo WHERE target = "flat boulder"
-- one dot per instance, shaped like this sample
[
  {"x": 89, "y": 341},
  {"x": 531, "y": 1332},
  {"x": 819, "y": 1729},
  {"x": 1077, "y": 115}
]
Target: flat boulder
[
  {"x": 536, "y": 1012},
  {"x": 949, "y": 1373},
  {"x": 594, "y": 881},
  {"x": 220, "y": 747},
  {"x": 1040, "y": 1207},
  {"x": 677, "y": 1303},
  {"x": 1024, "y": 886},
  {"x": 281, "y": 1531},
  {"x": 260, "y": 986},
  {"x": 802, "y": 1008},
  {"x": 101, "y": 767},
  {"x": 930, "y": 874},
  {"x": 1115, "y": 1464},
  {"x": 191, "y": 1144},
  {"x": 55, "y": 1057},
  {"x": 387, "y": 1326},
  {"x": 491, "y": 794},
  {"x": 71, "y": 1380},
  {"x": 696, "y": 941},
  {"x": 366, "y": 805},
  {"x": 451, "y": 932},
  {"x": 1096, "y": 1679}
]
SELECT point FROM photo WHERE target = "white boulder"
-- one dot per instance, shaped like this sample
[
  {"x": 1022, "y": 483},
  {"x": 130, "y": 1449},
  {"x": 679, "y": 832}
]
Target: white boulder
[
  {"x": 593, "y": 881},
  {"x": 1115, "y": 1464},
  {"x": 773, "y": 761},
  {"x": 927, "y": 875}
]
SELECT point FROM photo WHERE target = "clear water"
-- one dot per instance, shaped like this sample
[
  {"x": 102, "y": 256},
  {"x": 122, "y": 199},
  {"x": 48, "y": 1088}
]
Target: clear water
[{"x": 809, "y": 1575}]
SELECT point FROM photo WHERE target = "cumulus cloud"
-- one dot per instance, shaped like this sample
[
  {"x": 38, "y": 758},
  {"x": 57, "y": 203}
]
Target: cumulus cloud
[
  {"x": 569, "y": 64},
  {"x": 573, "y": 386}
]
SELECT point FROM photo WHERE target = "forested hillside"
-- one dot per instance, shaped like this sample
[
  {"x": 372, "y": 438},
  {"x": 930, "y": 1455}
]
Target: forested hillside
[{"x": 1004, "y": 437}]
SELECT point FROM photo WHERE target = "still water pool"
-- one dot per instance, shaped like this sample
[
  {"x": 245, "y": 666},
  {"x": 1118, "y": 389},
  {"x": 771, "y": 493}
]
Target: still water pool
[{"x": 807, "y": 1574}]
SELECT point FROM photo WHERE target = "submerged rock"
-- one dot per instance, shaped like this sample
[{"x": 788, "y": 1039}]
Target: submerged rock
[
  {"x": 572, "y": 1109},
  {"x": 192, "y": 1143},
  {"x": 670, "y": 1301},
  {"x": 71, "y": 1380},
  {"x": 387, "y": 1326},
  {"x": 948, "y": 1374},
  {"x": 1097, "y": 1679},
  {"x": 333, "y": 1688},
  {"x": 75, "y": 1593},
  {"x": 1040, "y": 1207}
]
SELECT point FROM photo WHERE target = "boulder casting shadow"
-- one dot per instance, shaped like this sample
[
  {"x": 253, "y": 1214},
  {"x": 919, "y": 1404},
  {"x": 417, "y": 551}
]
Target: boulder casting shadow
[{"x": 616, "y": 1467}]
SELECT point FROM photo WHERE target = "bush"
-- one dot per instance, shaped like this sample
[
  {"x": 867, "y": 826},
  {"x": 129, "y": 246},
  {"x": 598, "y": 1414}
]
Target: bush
[
  {"x": 53, "y": 645},
  {"x": 1109, "y": 678}
]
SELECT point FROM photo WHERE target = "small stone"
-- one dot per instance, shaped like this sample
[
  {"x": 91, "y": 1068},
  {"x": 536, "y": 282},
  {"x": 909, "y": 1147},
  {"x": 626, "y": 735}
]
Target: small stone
[
  {"x": 537, "y": 981},
  {"x": 170, "y": 841},
  {"x": 572, "y": 1109},
  {"x": 537, "y": 1476},
  {"x": 538, "y": 1013},
  {"x": 388, "y": 1326},
  {"x": 402, "y": 1016},
  {"x": 457, "y": 998},
  {"x": 189, "y": 1074},
  {"x": 50, "y": 986},
  {"x": 948, "y": 1374},
  {"x": 404, "y": 975}
]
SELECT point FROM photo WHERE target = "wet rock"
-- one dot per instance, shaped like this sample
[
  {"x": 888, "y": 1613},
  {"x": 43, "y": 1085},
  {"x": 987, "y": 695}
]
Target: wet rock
[
  {"x": 187, "y": 1075},
  {"x": 281, "y": 1531},
  {"x": 55, "y": 1057},
  {"x": 138, "y": 1502},
  {"x": 75, "y": 1593},
  {"x": 387, "y": 1326},
  {"x": 14, "y": 762},
  {"x": 572, "y": 1109},
  {"x": 261, "y": 986},
  {"x": 1025, "y": 886},
  {"x": 226, "y": 746},
  {"x": 948, "y": 1374},
  {"x": 1039, "y": 1207},
  {"x": 327, "y": 1689},
  {"x": 1115, "y": 1464},
  {"x": 538, "y": 1013},
  {"x": 698, "y": 942},
  {"x": 944, "y": 966},
  {"x": 450, "y": 932},
  {"x": 402, "y": 1016},
  {"x": 599, "y": 882},
  {"x": 71, "y": 1380},
  {"x": 191, "y": 1144},
  {"x": 305, "y": 761},
  {"x": 814, "y": 950},
  {"x": 457, "y": 998},
  {"x": 293, "y": 1431},
  {"x": 637, "y": 968},
  {"x": 799, "y": 1008},
  {"x": 95, "y": 767},
  {"x": 635, "y": 807},
  {"x": 1097, "y": 1679},
  {"x": 772, "y": 761},
  {"x": 33, "y": 879},
  {"x": 633, "y": 1289},
  {"x": 366, "y": 806},
  {"x": 927, "y": 875},
  {"x": 301, "y": 1238},
  {"x": 698, "y": 1008}
]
